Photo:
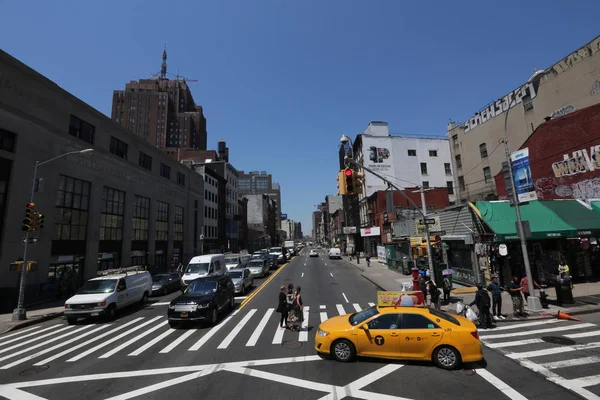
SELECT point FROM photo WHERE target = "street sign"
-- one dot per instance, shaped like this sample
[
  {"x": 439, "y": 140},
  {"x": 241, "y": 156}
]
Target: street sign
[
  {"x": 32, "y": 240},
  {"x": 437, "y": 233},
  {"x": 428, "y": 221}
]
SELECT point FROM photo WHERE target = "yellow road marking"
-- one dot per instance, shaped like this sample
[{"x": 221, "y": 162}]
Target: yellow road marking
[{"x": 265, "y": 283}]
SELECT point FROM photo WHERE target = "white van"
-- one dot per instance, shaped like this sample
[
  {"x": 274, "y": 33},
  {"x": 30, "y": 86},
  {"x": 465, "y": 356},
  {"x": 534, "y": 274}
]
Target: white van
[
  {"x": 201, "y": 266},
  {"x": 113, "y": 290},
  {"x": 236, "y": 261},
  {"x": 335, "y": 253}
]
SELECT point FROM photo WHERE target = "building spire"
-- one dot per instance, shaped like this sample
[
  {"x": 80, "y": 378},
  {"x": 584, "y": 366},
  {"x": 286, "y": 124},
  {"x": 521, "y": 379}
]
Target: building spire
[{"x": 163, "y": 66}]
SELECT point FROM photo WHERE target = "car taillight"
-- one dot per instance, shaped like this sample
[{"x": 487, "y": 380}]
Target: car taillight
[{"x": 475, "y": 335}]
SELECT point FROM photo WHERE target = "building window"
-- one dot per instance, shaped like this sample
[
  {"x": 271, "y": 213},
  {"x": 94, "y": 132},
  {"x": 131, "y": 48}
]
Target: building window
[
  {"x": 81, "y": 129},
  {"x": 458, "y": 161},
  {"x": 450, "y": 187},
  {"x": 72, "y": 205},
  {"x": 487, "y": 174},
  {"x": 7, "y": 141},
  {"x": 483, "y": 150},
  {"x": 455, "y": 140},
  {"x": 447, "y": 168},
  {"x": 165, "y": 171},
  {"x": 145, "y": 161},
  {"x": 425, "y": 184},
  {"x": 178, "y": 224},
  {"x": 180, "y": 178},
  {"x": 461, "y": 182},
  {"x": 162, "y": 220},
  {"x": 412, "y": 153},
  {"x": 113, "y": 209},
  {"x": 141, "y": 215},
  {"x": 118, "y": 148},
  {"x": 432, "y": 153},
  {"x": 423, "y": 168},
  {"x": 527, "y": 103}
]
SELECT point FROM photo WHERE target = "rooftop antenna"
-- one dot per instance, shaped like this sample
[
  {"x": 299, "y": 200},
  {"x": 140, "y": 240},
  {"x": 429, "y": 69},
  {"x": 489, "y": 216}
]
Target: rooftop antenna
[{"x": 163, "y": 66}]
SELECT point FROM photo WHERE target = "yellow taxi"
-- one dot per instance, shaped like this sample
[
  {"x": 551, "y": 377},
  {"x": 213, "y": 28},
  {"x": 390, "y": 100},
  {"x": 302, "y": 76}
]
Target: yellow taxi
[{"x": 400, "y": 332}]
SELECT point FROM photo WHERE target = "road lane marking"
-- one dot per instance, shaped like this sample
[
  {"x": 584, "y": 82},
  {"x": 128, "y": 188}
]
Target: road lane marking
[
  {"x": 133, "y": 340},
  {"x": 265, "y": 283},
  {"x": 371, "y": 304},
  {"x": 340, "y": 309},
  {"x": 113, "y": 339},
  {"x": 303, "y": 336},
  {"x": 323, "y": 316},
  {"x": 302, "y": 275},
  {"x": 31, "y": 334},
  {"x": 322, "y": 307},
  {"x": 345, "y": 298},
  {"x": 357, "y": 307},
  {"x": 212, "y": 332},
  {"x": 278, "y": 338},
  {"x": 236, "y": 330},
  {"x": 331, "y": 274},
  {"x": 583, "y": 334},
  {"x": 161, "y": 303},
  {"x": 44, "y": 343},
  {"x": 178, "y": 341},
  {"x": 80, "y": 345},
  {"x": 19, "y": 332},
  {"x": 571, "y": 363},
  {"x": 500, "y": 385},
  {"x": 25, "y": 343},
  {"x": 151, "y": 343},
  {"x": 527, "y": 324},
  {"x": 512, "y": 344},
  {"x": 552, "y": 351},
  {"x": 260, "y": 328},
  {"x": 535, "y": 332},
  {"x": 240, "y": 298}
]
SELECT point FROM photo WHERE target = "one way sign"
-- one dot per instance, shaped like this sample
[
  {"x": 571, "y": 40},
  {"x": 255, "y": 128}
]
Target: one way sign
[
  {"x": 32, "y": 240},
  {"x": 428, "y": 221}
]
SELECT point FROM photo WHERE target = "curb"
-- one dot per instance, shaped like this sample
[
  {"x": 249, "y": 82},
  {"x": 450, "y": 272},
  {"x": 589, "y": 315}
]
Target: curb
[
  {"x": 30, "y": 322},
  {"x": 374, "y": 283}
]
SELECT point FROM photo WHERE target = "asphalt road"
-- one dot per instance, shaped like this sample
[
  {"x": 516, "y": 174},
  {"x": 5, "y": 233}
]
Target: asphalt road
[{"x": 246, "y": 356}]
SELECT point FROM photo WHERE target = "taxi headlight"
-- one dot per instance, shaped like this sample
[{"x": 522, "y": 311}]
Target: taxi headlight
[{"x": 322, "y": 333}]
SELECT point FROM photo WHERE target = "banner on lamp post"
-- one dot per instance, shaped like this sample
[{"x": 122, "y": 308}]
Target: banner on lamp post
[{"x": 522, "y": 175}]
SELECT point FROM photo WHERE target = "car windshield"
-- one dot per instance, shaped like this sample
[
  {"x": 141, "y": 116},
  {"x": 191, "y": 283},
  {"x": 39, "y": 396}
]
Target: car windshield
[
  {"x": 255, "y": 264},
  {"x": 99, "y": 286},
  {"x": 255, "y": 256},
  {"x": 443, "y": 315},
  {"x": 232, "y": 260},
  {"x": 361, "y": 316},
  {"x": 199, "y": 288},
  {"x": 160, "y": 278},
  {"x": 275, "y": 250},
  {"x": 200, "y": 268},
  {"x": 235, "y": 274}
]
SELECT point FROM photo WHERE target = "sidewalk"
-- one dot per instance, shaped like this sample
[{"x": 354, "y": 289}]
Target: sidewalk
[
  {"x": 586, "y": 295},
  {"x": 35, "y": 314}
]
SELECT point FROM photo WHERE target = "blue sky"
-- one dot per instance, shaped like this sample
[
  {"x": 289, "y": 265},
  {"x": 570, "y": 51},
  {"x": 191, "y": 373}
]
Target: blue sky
[{"x": 281, "y": 80}]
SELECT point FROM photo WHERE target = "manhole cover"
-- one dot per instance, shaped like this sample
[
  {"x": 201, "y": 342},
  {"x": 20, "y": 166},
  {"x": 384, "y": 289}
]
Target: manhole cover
[
  {"x": 34, "y": 370},
  {"x": 558, "y": 340},
  {"x": 292, "y": 344}
]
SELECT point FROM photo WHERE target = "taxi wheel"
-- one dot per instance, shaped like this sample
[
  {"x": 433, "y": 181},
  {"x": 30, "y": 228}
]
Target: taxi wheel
[
  {"x": 343, "y": 350},
  {"x": 446, "y": 357}
]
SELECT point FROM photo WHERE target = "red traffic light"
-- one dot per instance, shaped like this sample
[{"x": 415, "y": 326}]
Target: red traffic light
[
  {"x": 31, "y": 206},
  {"x": 348, "y": 172}
]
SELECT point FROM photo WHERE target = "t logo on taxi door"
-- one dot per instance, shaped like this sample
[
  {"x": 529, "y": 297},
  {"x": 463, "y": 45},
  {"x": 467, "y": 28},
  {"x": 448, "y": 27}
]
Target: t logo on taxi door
[{"x": 379, "y": 341}]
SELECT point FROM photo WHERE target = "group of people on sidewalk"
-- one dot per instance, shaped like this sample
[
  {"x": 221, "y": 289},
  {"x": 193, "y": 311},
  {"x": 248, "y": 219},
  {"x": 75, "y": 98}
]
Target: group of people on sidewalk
[
  {"x": 428, "y": 286},
  {"x": 290, "y": 307}
]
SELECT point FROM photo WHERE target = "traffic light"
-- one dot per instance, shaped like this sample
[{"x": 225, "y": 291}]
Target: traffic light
[
  {"x": 29, "y": 217},
  {"x": 40, "y": 221},
  {"x": 349, "y": 181},
  {"x": 341, "y": 178},
  {"x": 358, "y": 180}
]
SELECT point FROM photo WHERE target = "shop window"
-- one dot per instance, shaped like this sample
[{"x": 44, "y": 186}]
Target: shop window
[
  {"x": 113, "y": 209},
  {"x": 72, "y": 205},
  {"x": 178, "y": 224},
  {"x": 81, "y": 129},
  {"x": 141, "y": 215},
  {"x": 162, "y": 220}
]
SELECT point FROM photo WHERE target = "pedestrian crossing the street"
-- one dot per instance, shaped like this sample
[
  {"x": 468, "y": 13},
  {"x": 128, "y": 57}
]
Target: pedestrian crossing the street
[
  {"x": 565, "y": 352},
  {"x": 41, "y": 345}
]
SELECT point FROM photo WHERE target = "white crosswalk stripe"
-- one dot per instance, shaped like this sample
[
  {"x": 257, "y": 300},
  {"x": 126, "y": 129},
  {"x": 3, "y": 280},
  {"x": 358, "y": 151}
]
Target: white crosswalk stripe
[
  {"x": 546, "y": 350},
  {"x": 42, "y": 345}
]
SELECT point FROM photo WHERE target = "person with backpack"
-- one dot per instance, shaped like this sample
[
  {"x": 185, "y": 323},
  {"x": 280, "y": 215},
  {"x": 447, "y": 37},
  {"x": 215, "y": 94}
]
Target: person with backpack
[
  {"x": 447, "y": 287},
  {"x": 483, "y": 302}
]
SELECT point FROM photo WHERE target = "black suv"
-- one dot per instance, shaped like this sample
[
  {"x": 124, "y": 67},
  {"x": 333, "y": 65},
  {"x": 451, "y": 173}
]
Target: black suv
[{"x": 202, "y": 300}]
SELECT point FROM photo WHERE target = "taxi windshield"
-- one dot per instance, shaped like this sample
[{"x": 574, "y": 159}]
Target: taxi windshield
[{"x": 363, "y": 315}]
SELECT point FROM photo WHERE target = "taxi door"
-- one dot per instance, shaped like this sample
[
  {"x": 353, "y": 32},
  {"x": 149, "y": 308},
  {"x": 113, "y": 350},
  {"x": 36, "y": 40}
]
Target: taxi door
[
  {"x": 380, "y": 338},
  {"x": 418, "y": 336}
]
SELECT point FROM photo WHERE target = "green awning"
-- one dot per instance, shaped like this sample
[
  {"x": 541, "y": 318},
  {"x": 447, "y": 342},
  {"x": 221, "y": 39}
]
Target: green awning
[{"x": 548, "y": 219}]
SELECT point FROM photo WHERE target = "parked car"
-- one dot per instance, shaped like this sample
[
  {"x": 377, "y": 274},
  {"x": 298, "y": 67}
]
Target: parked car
[
  {"x": 258, "y": 267},
  {"x": 273, "y": 261},
  {"x": 163, "y": 284},
  {"x": 112, "y": 291},
  {"x": 242, "y": 279},
  {"x": 203, "y": 300}
]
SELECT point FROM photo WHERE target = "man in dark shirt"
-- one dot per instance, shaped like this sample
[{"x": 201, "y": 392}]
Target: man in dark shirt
[
  {"x": 515, "y": 294},
  {"x": 496, "y": 290}
]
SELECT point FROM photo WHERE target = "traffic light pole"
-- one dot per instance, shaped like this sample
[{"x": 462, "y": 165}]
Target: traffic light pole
[
  {"x": 423, "y": 211},
  {"x": 19, "y": 313}
]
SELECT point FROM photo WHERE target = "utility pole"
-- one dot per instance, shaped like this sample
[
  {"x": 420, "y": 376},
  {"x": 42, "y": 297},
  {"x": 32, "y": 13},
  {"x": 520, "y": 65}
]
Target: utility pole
[{"x": 429, "y": 253}]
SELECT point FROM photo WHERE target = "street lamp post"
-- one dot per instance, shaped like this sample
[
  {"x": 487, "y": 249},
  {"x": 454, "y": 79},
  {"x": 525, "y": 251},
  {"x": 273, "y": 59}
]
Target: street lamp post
[
  {"x": 422, "y": 190},
  {"x": 19, "y": 313},
  {"x": 533, "y": 302}
]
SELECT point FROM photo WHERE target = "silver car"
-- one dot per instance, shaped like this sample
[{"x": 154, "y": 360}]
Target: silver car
[
  {"x": 258, "y": 267},
  {"x": 242, "y": 279}
]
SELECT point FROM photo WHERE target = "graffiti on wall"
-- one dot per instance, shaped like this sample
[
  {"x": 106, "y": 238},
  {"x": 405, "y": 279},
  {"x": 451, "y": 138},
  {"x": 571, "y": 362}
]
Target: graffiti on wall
[
  {"x": 595, "y": 89},
  {"x": 556, "y": 187},
  {"x": 562, "y": 111},
  {"x": 586, "y": 51},
  {"x": 579, "y": 163}
]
